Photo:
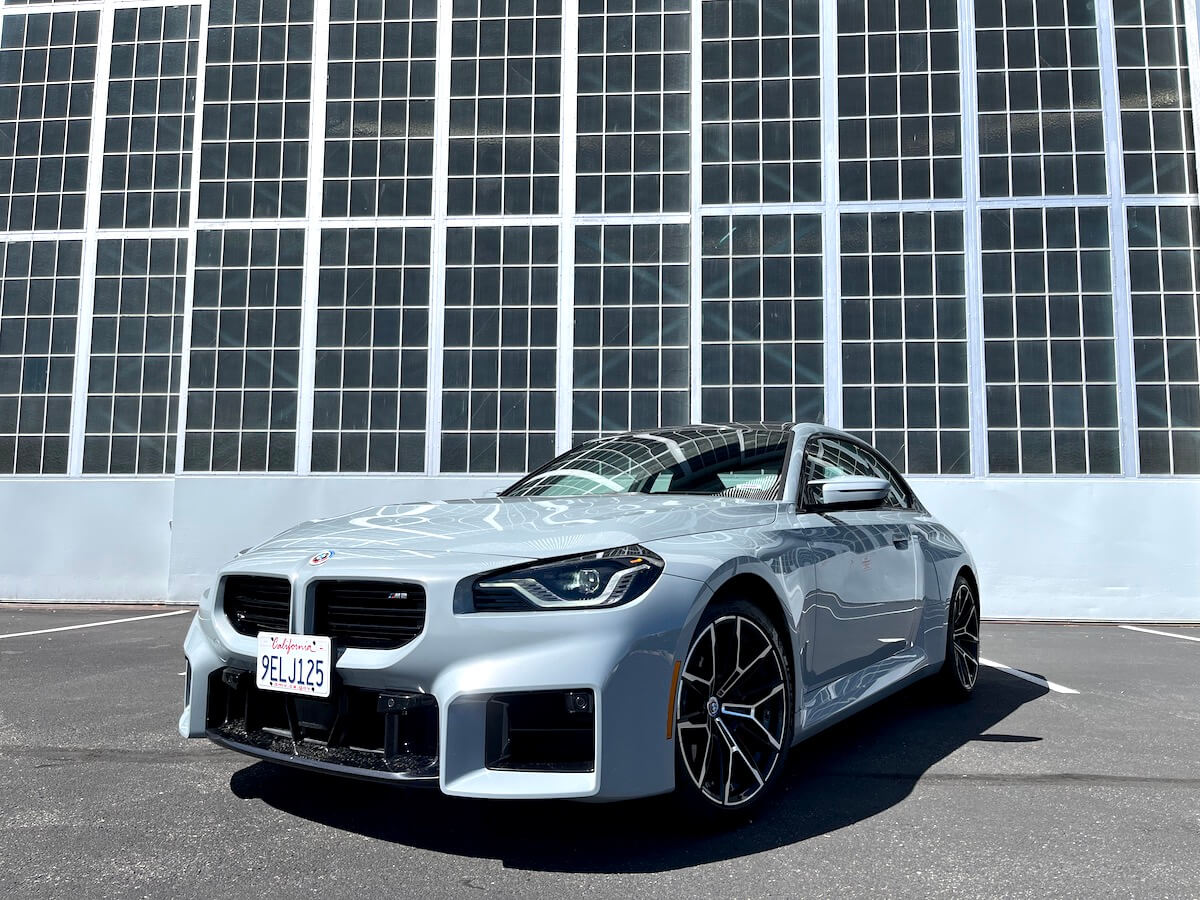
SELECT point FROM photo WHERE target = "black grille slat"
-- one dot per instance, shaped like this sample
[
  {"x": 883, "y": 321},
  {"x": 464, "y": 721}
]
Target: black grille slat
[
  {"x": 400, "y": 624},
  {"x": 355, "y": 615},
  {"x": 255, "y": 603},
  {"x": 359, "y": 613},
  {"x": 356, "y": 610}
]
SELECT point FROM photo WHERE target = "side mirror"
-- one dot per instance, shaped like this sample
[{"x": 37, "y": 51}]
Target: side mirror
[{"x": 849, "y": 491}]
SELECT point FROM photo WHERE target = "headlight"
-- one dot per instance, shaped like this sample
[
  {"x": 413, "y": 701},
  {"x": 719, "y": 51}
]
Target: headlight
[{"x": 607, "y": 578}]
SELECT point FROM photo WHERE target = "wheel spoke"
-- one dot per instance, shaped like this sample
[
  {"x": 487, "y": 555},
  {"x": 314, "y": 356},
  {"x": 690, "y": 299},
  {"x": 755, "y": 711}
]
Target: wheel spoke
[
  {"x": 742, "y": 670},
  {"x": 730, "y": 750},
  {"x": 724, "y": 769},
  {"x": 736, "y": 750},
  {"x": 696, "y": 678},
  {"x": 704, "y": 759},
  {"x": 965, "y": 665},
  {"x": 967, "y": 657},
  {"x": 748, "y": 717}
]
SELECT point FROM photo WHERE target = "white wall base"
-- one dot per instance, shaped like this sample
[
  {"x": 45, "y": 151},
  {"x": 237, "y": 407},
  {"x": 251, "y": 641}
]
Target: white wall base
[
  {"x": 1046, "y": 548},
  {"x": 1078, "y": 548},
  {"x": 85, "y": 539}
]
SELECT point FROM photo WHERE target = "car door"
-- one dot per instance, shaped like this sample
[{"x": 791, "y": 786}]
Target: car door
[{"x": 866, "y": 604}]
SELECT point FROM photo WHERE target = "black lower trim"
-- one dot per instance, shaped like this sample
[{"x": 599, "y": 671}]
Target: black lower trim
[
  {"x": 305, "y": 762},
  {"x": 389, "y": 735}
]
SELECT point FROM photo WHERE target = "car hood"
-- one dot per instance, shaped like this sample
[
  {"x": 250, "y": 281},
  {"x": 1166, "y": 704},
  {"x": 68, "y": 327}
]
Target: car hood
[{"x": 519, "y": 528}]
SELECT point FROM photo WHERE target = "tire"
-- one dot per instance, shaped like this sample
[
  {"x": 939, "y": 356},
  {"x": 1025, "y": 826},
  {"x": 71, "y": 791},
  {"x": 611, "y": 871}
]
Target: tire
[
  {"x": 959, "y": 674},
  {"x": 734, "y": 713}
]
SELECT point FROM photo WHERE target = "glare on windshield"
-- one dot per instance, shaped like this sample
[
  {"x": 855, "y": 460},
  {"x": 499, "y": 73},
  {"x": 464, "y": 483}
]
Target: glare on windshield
[{"x": 725, "y": 462}]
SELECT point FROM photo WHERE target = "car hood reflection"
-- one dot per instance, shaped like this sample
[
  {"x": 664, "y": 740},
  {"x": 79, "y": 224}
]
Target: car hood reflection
[{"x": 525, "y": 528}]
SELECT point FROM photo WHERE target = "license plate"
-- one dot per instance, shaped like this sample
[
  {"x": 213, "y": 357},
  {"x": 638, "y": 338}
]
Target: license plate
[{"x": 294, "y": 664}]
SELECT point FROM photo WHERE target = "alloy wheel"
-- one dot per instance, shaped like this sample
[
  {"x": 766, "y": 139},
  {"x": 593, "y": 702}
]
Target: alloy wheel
[
  {"x": 731, "y": 710},
  {"x": 964, "y": 638}
]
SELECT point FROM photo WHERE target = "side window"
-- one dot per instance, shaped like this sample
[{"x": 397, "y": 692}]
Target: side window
[{"x": 830, "y": 458}]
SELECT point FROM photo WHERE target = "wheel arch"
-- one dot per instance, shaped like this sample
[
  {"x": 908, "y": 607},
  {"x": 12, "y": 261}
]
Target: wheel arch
[{"x": 758, "y": 590}]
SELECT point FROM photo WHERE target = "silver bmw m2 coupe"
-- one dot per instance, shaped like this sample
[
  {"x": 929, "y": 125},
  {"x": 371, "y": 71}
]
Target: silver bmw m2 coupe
[{"x": 656, "y": 611}]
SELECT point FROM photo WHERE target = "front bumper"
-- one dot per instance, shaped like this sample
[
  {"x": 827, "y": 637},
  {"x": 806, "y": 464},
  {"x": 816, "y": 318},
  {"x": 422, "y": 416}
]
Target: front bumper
[{"x": 464, "y": 677}]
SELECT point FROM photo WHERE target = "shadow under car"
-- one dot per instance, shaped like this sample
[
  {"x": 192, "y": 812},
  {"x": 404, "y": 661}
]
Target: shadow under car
[{"x": 849, "y": 773}]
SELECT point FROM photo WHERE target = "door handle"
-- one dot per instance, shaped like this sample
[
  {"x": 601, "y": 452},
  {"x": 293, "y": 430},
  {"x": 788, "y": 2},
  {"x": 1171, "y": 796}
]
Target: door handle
[{"x": 900, "y": 543}]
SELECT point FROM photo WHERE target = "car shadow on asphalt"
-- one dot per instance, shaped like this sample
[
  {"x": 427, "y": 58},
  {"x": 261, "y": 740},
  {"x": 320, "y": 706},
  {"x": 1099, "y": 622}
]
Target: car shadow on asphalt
[{"x": 849, "y": 773}]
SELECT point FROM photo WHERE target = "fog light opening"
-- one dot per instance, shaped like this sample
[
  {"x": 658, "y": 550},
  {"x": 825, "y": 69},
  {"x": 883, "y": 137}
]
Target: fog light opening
[{"x": 541, "y": 731}]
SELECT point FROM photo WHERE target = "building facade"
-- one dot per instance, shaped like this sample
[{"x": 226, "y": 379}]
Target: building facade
[{"x": 265, "y": 260}]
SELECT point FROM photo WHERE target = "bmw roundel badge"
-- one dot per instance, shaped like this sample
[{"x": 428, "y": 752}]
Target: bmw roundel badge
[{"x": 321, "y": 558}]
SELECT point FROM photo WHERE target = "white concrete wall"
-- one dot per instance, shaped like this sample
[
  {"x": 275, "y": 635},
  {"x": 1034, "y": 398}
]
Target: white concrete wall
[
  {"x": 1078, "y": 548},
  {"x": 216, "y": 517},
  {"x": 85, "y": 539},
  {"x": 1045, "y": 548}
]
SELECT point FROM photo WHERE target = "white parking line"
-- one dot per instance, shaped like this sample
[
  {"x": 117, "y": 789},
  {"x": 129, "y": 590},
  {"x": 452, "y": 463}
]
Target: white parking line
[
  {"x": 1029, "y": 676},
  {"x": 1182, "y": 637},
  {"x": 178, "y": 612}
]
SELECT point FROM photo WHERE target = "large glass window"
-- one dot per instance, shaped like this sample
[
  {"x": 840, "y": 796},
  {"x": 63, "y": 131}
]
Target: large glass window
[
  {"x": 1157, "y": 134},
  {"x": 634, "y": 107},
  {"x": 631, "y": 327},
  {"x": 904, "y": 338},
  {"x": 47, "y": 79},
  {"x": 245, "y": 359},
  {"x": 761, "y": 102},
  {"x": 151, "y": 104},
  {"x": 1164, "y": 278},
  {"x": 39, "y": 306},
  {"x": 1048, "y": 341},
  {"x": 1040, "y": 126},
  {"x": 254, "y": 155},
  {"x": 133, "y": 382},
  {"x": 505, "y": 78},
  {"x": 379, "y": 114},
  {"x": 731, "y": 462},
  {"x": 499, "y": 361},
  {"x": 899, "y": 127},
  {"x": 372, "y": 351},
  {"x": 762, "y": 325}
]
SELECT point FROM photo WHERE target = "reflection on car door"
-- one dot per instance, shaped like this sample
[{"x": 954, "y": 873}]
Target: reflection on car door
[{"x": 867, "y": 604}]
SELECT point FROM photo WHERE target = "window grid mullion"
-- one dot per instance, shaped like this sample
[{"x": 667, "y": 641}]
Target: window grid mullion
[
  {"x": 972, "y": 253},
  {"x": 1118, "y": 238},
  {"x": 312, "y": 259},
  {"x": 437, "y": 248},
  {"x": 831, "y": 243},
  {"x": 87, "y": 279},
  {"x": 567, "y": 164},
  {"x": 190, "y": 263}
]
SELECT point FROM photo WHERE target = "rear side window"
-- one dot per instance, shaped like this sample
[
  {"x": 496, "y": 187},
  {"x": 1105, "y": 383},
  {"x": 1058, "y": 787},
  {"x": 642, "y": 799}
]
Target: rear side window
[{"x": 829, "y": 457}]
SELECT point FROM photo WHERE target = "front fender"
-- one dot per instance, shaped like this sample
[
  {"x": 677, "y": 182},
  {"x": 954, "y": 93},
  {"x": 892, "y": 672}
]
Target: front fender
[{"x": 767, "y": 557}]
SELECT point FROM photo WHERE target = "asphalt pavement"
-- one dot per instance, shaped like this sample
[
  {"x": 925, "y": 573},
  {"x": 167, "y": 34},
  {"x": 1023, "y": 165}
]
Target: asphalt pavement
[{"x": 1027, "y": 790}]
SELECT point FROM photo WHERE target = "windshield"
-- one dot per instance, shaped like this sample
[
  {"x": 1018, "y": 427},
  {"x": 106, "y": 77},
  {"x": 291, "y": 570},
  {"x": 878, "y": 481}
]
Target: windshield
[{"x": 731, "y": 462}]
